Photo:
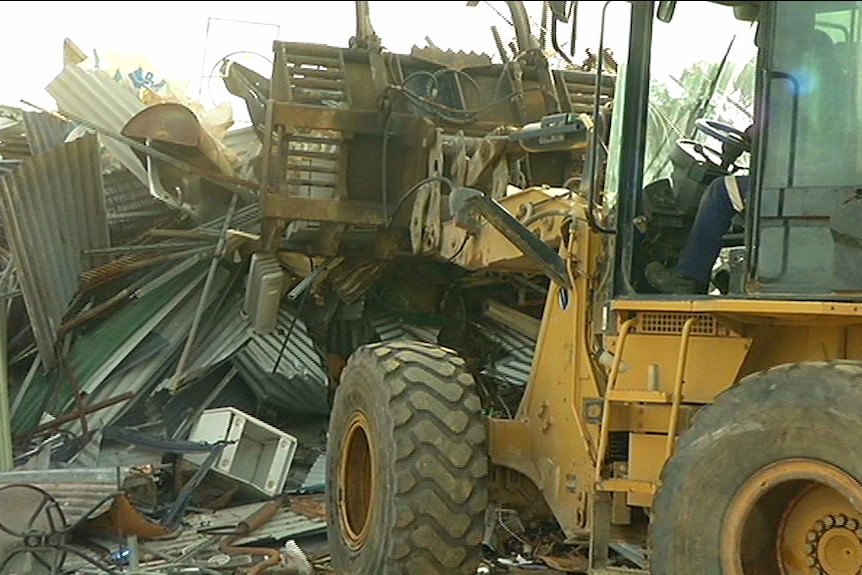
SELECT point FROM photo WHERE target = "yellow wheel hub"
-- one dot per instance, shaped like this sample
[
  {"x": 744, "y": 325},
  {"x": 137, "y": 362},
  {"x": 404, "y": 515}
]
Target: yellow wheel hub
[
  {"x": 356, "y": 481},
  {"x": 795, "y": 517},
  {"x": 835, "y": 546}
]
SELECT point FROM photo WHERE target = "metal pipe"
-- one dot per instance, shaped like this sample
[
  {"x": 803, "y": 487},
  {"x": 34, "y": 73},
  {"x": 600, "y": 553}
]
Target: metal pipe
[
  {"x": 677, "y": 384},
  {"x": 574, "y": 19},
  {"x": 7, "y": 459},
  {"x": 181, "y": 429},
  {"x": 632, "y": 139},
  {"x": 260, "y": 517},
  {"x": 193, "y": 331},
  {"x": 6, "y": 456},
  {"x": 544, "y": 26},
  {"x": 59, "y": 420},
  {"x": 526, "y": 41},
  {"x": 504, "y": 56},
  {"x": 596, "y": 136},
  {"x": 365, "y": 37},
  {"x": 612, "y": 380},
  {"x": 556, "y": 43}
]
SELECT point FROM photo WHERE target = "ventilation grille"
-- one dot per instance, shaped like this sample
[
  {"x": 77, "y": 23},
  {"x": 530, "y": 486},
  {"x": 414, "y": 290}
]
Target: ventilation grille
[{"x": 672, "y": 323}]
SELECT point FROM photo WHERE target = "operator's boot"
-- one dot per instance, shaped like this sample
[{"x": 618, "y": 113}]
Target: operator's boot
[{"x": 671, "y": 280}]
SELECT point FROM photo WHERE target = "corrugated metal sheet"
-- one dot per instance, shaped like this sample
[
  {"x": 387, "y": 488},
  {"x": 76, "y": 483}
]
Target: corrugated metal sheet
[
  {"x": 129, "y": 263},
  {"x": 97, "y": 98},
  {"x": 77, "y": 491},
  {"x": 285, "y": 525},
  {"x": 315, "y": 480},
  {"x": 148, "y": 367},
  {"x": 8, "y": 166},
  {"x": 44, "y": 131},
  {"x": 514, "y": 364},
  {"x": 134, "y": 348},
  {"x": 13, "y": 140},
  {"x": 132, "y": 211},
  {"x": 390, "y": 328},
  {"x": 246, "y": 218},
  {"x": 246, "y": 146},
  {"x": 53, "y": 211},
  {"x": 178, "y": 412},
  {"x": 227, "y": 332},
  {"x": 511, "y": 365},
  {"x": 95, "y": 354},
  {"x": 286, "y": 375}
]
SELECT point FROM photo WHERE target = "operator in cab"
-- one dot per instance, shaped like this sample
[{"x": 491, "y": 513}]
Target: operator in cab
[{"x": 723, "y": 198}]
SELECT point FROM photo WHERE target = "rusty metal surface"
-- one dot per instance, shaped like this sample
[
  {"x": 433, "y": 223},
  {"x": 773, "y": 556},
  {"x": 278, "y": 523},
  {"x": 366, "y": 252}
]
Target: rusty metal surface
[
  {"x": 285, "y": 523},
  {"x": 457, "y": 60},
  {"x": 168, "y": 122},
  {"x": 53, "y": 213},
  {"x": 351, "y": 132},
  {"x": 179, "y": 127},
  {"x": 196, "y": 543}
]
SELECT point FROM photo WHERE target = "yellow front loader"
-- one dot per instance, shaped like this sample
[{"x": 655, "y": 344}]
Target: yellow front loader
[{"x": 672, "y": 434}]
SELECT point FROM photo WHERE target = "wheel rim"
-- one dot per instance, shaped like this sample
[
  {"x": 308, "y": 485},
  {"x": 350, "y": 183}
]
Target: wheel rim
[
  {"x": 794, "y": 517},
  {"x": 36, "y": 526},
  {"x": 356, "y": 481}
]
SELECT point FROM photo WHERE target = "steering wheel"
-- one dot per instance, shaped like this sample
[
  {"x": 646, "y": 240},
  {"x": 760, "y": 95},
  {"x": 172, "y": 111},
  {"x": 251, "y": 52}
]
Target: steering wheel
[
  {"x": 724, "y": 133},
  {"x": 700, "y": 152}
]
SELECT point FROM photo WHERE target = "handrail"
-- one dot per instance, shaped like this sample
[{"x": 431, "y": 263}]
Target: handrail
[
  {"x": 612, "y": 380},
  {"x": 677, "y": 384}
]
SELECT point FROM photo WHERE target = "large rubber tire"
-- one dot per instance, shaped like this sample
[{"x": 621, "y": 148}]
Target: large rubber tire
[
  {"x": 407, "y": 464},
  {"x": 763, "y": 481}
]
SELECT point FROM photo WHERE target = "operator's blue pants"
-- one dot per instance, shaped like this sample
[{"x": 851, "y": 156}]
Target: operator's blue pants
[{"x": 721, "y": 200}]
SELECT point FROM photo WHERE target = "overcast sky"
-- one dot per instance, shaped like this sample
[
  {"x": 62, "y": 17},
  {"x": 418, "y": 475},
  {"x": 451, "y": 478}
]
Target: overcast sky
[
  {"x": 183, "y": 41},
  {"x": 180, "y": 40}
]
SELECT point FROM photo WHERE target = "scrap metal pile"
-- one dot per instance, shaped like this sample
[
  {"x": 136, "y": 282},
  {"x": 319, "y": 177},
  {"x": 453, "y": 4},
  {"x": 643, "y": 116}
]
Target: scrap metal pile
[
  {"x": 181, "y": 295},
  {"x": 146, "y": 415}
]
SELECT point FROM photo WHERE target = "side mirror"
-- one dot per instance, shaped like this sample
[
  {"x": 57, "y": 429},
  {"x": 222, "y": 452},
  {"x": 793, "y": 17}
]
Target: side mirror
[{"x": 665, "y": 10}]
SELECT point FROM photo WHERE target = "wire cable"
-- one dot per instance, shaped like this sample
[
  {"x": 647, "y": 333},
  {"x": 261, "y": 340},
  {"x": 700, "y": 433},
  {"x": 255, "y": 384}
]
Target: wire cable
[{"x": 413, "y": 190}]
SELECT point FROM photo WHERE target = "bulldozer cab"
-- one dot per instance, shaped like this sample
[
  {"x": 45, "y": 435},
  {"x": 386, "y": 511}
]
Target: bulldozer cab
[{"x": 795, "y": 237}]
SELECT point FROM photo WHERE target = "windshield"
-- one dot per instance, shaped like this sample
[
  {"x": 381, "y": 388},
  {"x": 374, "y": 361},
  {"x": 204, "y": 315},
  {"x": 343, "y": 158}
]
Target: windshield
[
  {"x": 703, "y": 65},
  {"x": 811, "y": 85}
]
